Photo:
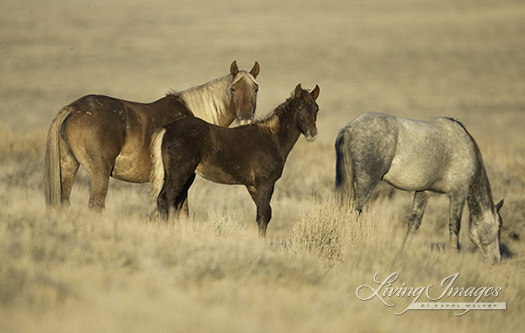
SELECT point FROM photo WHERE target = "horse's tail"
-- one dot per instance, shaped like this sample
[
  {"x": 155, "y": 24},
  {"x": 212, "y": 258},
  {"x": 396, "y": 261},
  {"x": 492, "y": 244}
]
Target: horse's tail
[
  {"x": 344, "y": 175},
  {"x": 52, "y": 169},
  {"x": 156, "y": 177}
]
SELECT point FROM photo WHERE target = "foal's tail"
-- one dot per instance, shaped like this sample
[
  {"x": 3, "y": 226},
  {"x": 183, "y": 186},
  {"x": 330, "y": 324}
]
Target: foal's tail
[
  {"x": 52, "y": 170},
  {"x": 156, "y": 177},
  {"x": 344, "y": 175}
]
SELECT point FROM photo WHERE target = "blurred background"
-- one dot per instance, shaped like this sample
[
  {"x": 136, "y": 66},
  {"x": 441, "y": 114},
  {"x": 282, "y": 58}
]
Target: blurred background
[{"x": 414, "y": 58}]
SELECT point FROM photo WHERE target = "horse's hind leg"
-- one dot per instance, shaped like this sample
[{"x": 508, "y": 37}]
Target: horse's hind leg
[
  {"x": 99, "y": 187},
  {"x": 455, "y": 211},
  {"x": 98, "y": 166},
  {"x": 95, "y": 138},
  {"x": 174, "y": 193},
  {"x": 418, "y": 209},
  {"x": 68, "y": 170},
  {"x": 163, "y": 205},
  {"x": 364, "y": 185},
  {"x": 181, "y": 202}
]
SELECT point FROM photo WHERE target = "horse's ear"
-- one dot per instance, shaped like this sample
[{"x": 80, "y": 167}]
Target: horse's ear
[
  {"x": 499, "y": 205},
  {"x": 233, "y": 68},
  {"x": 315, "y": 92},
  {"x": 298, "y": 91},
  {"x": 255, "y": 70}
]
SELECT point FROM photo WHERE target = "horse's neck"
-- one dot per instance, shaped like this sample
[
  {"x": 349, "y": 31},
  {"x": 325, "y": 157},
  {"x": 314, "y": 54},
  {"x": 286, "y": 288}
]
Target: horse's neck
[
  {"x": 285, "y": 133},
  {"x": 480, "y": 197},
  {"x": 211, "y": 101}
]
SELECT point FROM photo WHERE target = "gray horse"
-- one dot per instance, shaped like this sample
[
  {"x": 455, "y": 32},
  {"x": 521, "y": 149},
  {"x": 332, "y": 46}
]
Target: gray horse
[{"x": 436, "y": 155}]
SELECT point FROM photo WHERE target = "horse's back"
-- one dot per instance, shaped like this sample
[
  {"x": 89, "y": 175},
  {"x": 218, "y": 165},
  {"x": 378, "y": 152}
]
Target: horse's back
[
  {"x": 189, "y": 129},
  {"x": 436, "y": 154},
  {"x": 160, "y": 112},
  {"x": 95, "y": 102}
]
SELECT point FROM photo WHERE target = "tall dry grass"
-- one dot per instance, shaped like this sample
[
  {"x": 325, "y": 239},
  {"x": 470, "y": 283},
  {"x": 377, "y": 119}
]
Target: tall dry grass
[
  {"x": 78, "y": 271},
  {"x": 59, "y": 272}
]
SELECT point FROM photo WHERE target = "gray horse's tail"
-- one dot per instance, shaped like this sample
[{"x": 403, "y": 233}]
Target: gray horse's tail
[
  {"x": 344, "y": 175},
  {"x": 156, "y": 177},
  {"x": 52, "y": 169}
]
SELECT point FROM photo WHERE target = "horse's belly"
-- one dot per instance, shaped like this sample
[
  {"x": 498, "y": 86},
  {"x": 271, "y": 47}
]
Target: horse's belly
[
  {"x": 131, "y": 169},
  {"x": 413, "y": 178},
  {"x": 219, "y": 175}
]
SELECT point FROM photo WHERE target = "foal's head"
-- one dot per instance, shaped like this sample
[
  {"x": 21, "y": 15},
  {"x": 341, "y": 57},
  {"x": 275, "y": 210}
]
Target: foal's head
[
  {"x": 305, "y": 110},
  {"x": 243, "y": 91}
]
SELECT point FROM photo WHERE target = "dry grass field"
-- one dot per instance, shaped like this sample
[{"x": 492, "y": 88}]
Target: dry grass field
[{"x": 119, "y": 272}]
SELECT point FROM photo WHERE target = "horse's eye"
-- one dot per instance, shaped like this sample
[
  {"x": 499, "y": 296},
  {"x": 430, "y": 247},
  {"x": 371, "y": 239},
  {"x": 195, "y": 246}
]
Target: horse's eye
[{"x": 232, "y": 89}]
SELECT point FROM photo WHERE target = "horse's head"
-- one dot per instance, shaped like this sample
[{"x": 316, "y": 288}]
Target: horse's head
[
  {"x": 243, "y": 91},
  {"x": 306, "y": 109},
  {"x": 485, "y": 234}
]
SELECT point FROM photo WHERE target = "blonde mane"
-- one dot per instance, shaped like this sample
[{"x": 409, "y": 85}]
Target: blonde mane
[{"x": 211, "y": 100}]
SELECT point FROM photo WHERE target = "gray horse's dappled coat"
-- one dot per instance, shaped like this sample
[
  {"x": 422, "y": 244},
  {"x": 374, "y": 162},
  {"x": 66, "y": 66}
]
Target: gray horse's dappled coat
[{"x": 437, "y": 155}]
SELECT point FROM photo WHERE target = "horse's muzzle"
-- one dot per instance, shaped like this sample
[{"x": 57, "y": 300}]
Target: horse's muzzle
[
  {"x": 245, "y": 118},
  {"x": 244, "y": 121},
  {"x": 310, "y": 135}
]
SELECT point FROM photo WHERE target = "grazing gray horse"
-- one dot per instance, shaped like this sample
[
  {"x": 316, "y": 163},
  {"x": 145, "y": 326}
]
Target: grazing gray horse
[{"x": 436, "y": 155}]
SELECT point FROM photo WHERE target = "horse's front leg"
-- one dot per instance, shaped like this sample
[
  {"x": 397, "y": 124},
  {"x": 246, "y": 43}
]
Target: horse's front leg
[
  {"x": 262, "y": 195},
  {"x": 455, "y": 210}
]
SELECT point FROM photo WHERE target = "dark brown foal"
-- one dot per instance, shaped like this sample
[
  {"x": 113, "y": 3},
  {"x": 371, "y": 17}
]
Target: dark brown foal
[{"x": 251, "y": 155}]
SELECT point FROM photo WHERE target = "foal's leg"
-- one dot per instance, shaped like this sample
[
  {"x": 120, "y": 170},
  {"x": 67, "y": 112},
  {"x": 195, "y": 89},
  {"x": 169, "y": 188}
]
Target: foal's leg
[
  {"x": 181, "y": 202},
  {"x": 455, "y": 211},
  {"x": 163, "y": 205},
  {"x": 418, "y": 209},
  {"x": 262, "y": 195},
  {"x": 174, "y": 193}
]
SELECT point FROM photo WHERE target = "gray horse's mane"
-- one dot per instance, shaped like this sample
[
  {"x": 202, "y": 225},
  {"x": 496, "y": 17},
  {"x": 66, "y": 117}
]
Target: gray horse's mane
[
  {"x": 482, "y": 176},
  {"x": 479, "y": 155}
]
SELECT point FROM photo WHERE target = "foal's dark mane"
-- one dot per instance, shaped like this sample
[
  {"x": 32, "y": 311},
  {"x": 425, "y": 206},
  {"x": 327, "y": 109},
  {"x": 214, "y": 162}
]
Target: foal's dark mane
[{"x": 272, "y": 121}]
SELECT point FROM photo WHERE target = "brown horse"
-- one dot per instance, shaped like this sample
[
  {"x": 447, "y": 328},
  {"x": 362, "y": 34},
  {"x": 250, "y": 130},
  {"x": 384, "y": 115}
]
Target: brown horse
[
  {"x": 111, "y": 137},
  {"x": 251, "y": 155}
]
